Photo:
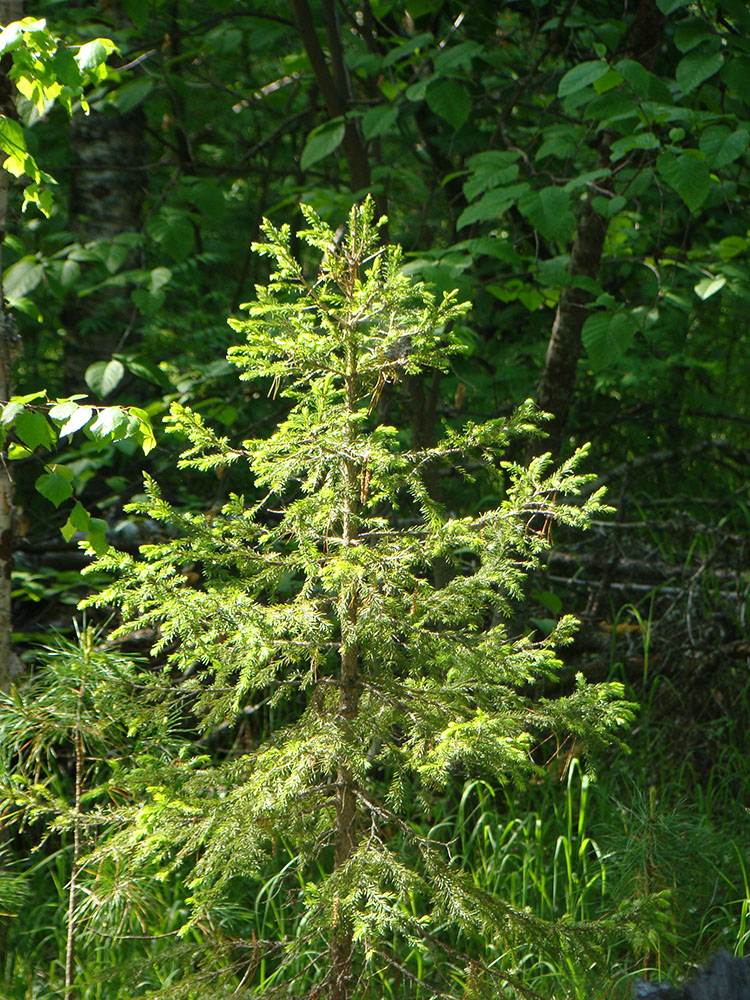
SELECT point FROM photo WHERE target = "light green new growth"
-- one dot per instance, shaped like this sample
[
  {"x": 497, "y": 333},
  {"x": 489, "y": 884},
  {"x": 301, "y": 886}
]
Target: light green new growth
[{"x": 321, "y": 595}]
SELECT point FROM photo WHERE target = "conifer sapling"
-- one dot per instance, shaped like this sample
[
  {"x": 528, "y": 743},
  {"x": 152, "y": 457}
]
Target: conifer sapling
[{"x": 317, "y": 598}]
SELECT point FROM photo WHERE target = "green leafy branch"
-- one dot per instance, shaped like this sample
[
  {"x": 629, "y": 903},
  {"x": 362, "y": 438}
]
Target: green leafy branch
[
  {"x": 39, "y": 423},
  {"x": 45, "y": 71}
]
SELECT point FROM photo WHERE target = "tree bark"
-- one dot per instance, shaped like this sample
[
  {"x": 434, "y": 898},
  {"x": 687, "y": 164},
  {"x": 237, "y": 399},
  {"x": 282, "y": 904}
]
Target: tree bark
[
  {"x": 334, "y": 84},
  {"x": 556, "y": 385},
  {"x": 106, "y": 195},
  {"x": 70, "y": 947},
  {"x": 554, "y": 391},
  {"x": 345, "y": 833},
  {"x": 105, "y": 200},
  {"x": 345, "y": 825},
  {"x": 10, "y": 10}
]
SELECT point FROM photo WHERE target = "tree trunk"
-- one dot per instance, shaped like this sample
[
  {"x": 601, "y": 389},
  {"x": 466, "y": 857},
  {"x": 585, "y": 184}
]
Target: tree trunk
[
  {"x": 345, "y": 827},
  {"x": 345, "y": 833},
  {"x": 108, "y": 152},
  {"x": 70, "y": 947},
  {"x": 556, "y": 386},
  {"x": 334, "y": 84},
  {"x": 105, "y": 200},
  {"x": 10, "y": 10},
  {"x": 554, "y": 391}
]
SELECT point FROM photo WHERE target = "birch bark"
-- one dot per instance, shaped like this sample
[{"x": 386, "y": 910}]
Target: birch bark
[{"x": 10, "y": 10}]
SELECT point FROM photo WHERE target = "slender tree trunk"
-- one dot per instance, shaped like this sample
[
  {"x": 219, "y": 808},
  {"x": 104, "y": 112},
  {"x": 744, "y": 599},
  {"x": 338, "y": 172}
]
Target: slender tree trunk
[
  {"x": 345, "y": 831},
  {"x": 105, "y": 200},
  {"x": 334, "y": 84},
  {"x": 345, "y": 828},
  {"x": 106, "y": 193},
  {"x": 556, "y": 386},
  {"x": 70, "y": 947},
  {"x": 554, "y": 391},
  {"x": 10, "y": 10},
  {"x": 6, "y": 479}
]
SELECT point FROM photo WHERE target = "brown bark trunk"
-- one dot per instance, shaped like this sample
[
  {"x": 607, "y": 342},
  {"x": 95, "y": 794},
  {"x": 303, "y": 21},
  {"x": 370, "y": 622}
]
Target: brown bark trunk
[
  {"x": 6, "y": 480},
  {"x": 70, "y": 947},
  {"x": 334, "y": 84},
  {"x": 345, "y": 834},
  {"x": 554, "y": 391},
  {"x": 556, "y": 385},
  {"x": 10, "y": 10},
  {"x": 345, "y": 825}
]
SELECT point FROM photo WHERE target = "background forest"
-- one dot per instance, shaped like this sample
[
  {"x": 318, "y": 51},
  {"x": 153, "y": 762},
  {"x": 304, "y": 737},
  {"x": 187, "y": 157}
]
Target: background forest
[{"x": 578, "y": 172}]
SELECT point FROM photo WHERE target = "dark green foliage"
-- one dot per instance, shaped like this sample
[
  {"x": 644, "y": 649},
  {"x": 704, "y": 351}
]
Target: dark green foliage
[{"x": 486, "y": 128}]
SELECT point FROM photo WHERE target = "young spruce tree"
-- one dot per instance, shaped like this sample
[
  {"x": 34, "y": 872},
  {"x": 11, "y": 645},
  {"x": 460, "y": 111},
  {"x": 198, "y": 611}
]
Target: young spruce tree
[{"x": 321, "y": 595}]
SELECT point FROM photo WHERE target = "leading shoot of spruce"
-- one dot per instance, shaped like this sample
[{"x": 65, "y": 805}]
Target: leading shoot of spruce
[{"x": 318, "y": 604}]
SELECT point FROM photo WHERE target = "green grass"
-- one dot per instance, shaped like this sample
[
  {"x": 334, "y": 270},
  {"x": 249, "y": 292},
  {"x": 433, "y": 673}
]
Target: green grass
[
  {"x": 651, "y": 857},
  {"x": 655, "y": 862}
]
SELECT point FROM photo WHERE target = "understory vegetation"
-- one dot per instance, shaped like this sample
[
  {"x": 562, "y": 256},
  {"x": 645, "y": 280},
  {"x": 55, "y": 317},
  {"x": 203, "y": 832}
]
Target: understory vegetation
[
  {"x": 390, "y": 639},
  {"x": 657, "y": 863}
]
